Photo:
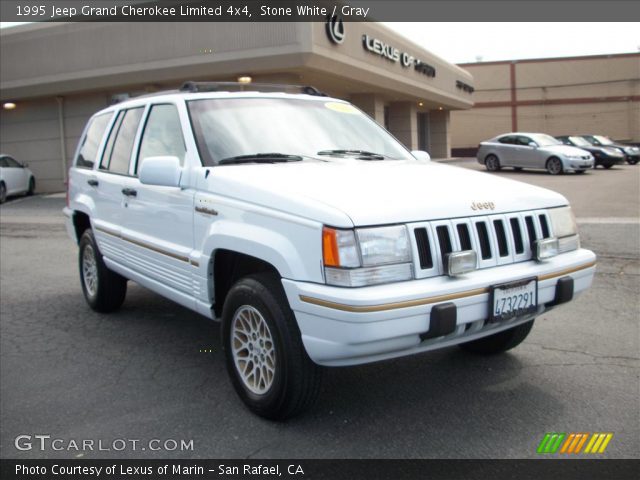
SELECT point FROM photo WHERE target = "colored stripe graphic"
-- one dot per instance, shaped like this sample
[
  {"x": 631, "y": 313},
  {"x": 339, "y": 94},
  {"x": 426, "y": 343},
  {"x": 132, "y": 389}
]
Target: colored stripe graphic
[{"x": 572, "y": 443}]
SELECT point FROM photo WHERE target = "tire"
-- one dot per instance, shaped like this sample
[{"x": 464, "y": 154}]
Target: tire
[
  {"x": 3, "y": 192},
  {"x": 492, "y": 163},
  {"x": 554, "y": 166},
  {"x": 632, "y": 161},
  {"x": 499, "y": 342},
  {"x": 258, "y": 324},
  {"x": 104, "y": 290},
  {"x": 32, "y": 186}
]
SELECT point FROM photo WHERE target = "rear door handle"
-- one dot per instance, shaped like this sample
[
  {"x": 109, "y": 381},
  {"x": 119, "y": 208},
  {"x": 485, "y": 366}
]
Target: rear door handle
[
  {"x": 93, "y": 182},
  {"x": 129, "y": 192}
]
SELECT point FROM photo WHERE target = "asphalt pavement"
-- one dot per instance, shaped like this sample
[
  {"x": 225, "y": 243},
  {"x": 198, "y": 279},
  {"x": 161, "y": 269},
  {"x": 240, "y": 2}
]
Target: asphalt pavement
[{"x": 154, "y": 370}]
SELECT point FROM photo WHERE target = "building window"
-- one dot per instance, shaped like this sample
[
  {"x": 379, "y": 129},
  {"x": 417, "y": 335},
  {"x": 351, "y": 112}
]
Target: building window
[{"x": 423, "y": 131}]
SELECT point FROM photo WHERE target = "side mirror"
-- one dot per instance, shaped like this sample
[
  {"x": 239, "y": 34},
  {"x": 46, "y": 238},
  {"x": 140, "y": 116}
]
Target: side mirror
[
  {"x": 25, "y": 165},
  {"x": 533, "y": 144},
  {"x": 421, "y": 155},
  {"x": 162, "y": 171}
]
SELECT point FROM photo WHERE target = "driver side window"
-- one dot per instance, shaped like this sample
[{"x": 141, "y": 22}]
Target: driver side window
[{"x": 162, "y": 135}]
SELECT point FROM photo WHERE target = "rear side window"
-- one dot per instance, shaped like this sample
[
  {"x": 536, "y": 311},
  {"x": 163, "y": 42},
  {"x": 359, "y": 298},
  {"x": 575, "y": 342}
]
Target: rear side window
[
  {"x": 524, "y": 141},
  {"x": 507, "y": 140},
  {"x": 120, "y": 145},
  {"x": 162, "y": 134},
  {"x": 91, "y": 141}
]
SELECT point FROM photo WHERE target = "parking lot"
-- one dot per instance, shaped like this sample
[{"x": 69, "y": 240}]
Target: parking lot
[{"x": 154, "y": 370}]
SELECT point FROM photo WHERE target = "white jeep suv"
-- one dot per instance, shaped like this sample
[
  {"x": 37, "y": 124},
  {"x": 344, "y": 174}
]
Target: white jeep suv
[{"x": 311, "y": 234}]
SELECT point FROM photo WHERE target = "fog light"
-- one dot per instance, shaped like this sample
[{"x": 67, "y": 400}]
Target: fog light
[
  {"x": 546, "y": 248},
  {"x": 457, "y": 263}
]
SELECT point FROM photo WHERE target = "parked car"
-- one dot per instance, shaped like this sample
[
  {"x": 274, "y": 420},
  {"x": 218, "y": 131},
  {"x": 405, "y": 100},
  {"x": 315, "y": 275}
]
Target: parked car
[
  {"x": 532, "y": 150},
  {"x": 15, "y": 178},
  {"x": 605, "y": 156},
  {"x": 631, "y": 153},
  {"x": 311, "y": 235}
]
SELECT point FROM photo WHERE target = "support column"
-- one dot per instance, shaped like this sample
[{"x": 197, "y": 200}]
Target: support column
[
  {"x": 439, "y": 134},
  {"x": 403, "y": 123},
  {"x": 370, "y": 104}
]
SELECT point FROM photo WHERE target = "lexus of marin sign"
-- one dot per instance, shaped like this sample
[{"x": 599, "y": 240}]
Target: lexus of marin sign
[{"x": 390, "y": 52}]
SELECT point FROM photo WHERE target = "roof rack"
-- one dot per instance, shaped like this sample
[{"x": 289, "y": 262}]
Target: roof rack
[{"x": 249, "y": 87}]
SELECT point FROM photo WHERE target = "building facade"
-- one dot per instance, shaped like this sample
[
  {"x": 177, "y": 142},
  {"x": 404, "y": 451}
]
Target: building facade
[
  {"x": 57, "y": 75},
  {"x": 559, "y": 96}
]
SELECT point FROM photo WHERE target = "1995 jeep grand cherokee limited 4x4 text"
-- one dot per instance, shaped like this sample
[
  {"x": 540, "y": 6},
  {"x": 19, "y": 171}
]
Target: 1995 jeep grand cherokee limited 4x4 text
[{"x": 311, "y": 234}]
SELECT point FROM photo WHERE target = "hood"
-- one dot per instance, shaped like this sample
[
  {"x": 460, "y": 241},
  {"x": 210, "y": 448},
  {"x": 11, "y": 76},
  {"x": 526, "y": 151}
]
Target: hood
[
  {"x": 565, "y": 150},
  {"x": 344, "y": 193}
]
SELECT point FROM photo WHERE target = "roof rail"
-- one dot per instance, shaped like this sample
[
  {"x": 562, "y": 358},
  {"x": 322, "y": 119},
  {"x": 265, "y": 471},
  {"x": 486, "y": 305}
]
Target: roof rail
[{"x": 249, "y": 87}]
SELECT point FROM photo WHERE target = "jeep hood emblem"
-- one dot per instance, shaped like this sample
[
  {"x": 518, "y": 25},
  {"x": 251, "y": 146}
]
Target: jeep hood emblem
[{"x": 483, "y": 206}]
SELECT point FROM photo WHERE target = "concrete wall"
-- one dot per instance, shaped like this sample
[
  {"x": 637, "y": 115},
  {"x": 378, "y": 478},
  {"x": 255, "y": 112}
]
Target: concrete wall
[
  {"x": 31, "y": 133},
  {"x": 599, "y": 94}
]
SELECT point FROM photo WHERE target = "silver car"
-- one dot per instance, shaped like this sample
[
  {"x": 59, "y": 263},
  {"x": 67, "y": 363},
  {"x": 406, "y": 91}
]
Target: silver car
[{"x": 533, "y": 150}]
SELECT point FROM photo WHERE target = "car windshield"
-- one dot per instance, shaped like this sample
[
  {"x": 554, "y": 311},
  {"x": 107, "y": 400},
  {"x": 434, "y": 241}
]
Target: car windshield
[
  {"x": 233, "y": 127},
  {"x": 579, "y": 141},
  {"x": 603, "y": 140},
  {"x": 544, "y": 140}
]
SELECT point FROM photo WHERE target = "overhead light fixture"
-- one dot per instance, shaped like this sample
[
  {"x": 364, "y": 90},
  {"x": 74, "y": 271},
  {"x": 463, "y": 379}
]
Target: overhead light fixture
[
  {"x": 8, "y": 105},
  {"x": 420, "y": 104},
  {"x": 439, "y": 108},
  {"x": 244, "y": 79}
]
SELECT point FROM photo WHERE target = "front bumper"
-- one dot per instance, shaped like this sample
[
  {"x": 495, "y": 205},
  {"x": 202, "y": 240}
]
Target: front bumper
[
  {"x": 348, "y": 326},
  {"x": 570, "y": 164}
]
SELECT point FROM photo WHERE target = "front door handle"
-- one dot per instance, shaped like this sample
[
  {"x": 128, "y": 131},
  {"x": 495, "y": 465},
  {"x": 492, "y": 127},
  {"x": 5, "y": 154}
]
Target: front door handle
[
  {"x": 129, "y": 192},
  {"x": 93, "y": 182}
]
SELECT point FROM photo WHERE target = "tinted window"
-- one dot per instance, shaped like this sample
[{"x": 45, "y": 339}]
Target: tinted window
[
  {"x": 506, "y": 140},
  {"x": 523, "y": 141},
  {"x": 118, "y": 151},
  {"x": 3, "y": 162},
  {"x": 162, "y": 134},
  {"x": 91, "y": 141},
  {"x": 11, "y": 163}
]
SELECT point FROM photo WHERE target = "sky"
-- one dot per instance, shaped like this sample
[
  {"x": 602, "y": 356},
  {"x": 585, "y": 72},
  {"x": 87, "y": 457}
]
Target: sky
[
  {"x": 471, "y": 42},
  {"x": 466, "y": 42}
]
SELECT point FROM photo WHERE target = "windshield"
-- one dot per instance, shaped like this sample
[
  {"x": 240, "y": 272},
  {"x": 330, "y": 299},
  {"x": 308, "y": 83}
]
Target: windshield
[
  {"x": 232, "y": 127},
  {"x": 544, "y": 140},
  {"x": 579, "y": 141},
  {"x": 603, "y": 140}
]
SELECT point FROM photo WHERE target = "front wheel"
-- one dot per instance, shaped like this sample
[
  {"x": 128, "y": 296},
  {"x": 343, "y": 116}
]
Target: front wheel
[
  {"x": 104, "y": 290},
  {"x": 492, "y": 163},
  {"x": 499, "y": 342},
  {"x": 554, "y": 166},
  {"x": 32, "y": 186},
  {"x": 266, "y": 360},
  {"x": 632, "y": 161},
  {"x": 3, "y": 192}
]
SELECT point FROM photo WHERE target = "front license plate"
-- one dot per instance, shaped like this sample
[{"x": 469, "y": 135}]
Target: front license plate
[{"x": 515, "y": 299}]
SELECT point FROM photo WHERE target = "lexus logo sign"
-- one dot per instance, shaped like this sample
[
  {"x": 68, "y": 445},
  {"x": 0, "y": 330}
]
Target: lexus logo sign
[{"x": 335, "y": 29}]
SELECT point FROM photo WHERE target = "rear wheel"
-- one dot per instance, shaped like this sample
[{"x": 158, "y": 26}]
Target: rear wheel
[
  {"x": 632, "y": 161},
  {"x": 32, "y": 186},
  {"x": 104, "y": 290},
  {"x": 492, "y": 163},
  {"x": 554, "y": 166},
  {"x": 499, "y": 342},
  {"x": 266, "y": 360}
]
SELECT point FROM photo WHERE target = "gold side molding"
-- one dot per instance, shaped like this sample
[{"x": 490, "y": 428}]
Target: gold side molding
[
  {"x": 182, "y": 258},
  {"x": 428, "y": 300}
]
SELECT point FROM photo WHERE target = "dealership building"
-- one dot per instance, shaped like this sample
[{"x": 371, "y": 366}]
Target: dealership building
[
  {"x": 597, "y": 94},
  {"x": 54, "y": 76}
]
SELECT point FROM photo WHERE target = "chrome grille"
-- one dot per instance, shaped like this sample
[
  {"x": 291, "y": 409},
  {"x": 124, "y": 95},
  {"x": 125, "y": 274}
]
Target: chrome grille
[{"x": 497, "y": 239}]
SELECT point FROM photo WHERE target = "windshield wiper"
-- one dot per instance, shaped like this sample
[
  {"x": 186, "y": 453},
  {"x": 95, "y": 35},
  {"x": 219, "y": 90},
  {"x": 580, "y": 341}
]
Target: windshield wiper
[
  {"x": 260, "y": 158},
  {"x": 362, "y": 154}
]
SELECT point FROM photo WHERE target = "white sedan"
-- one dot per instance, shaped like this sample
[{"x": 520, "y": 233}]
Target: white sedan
[{"x": 15, "y": 178}]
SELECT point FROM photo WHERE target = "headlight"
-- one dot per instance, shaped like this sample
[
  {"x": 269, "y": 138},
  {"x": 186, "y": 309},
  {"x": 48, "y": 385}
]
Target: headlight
[
  {"x": 564, "y": 228},
  {"x": 366, "y": 256}
]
